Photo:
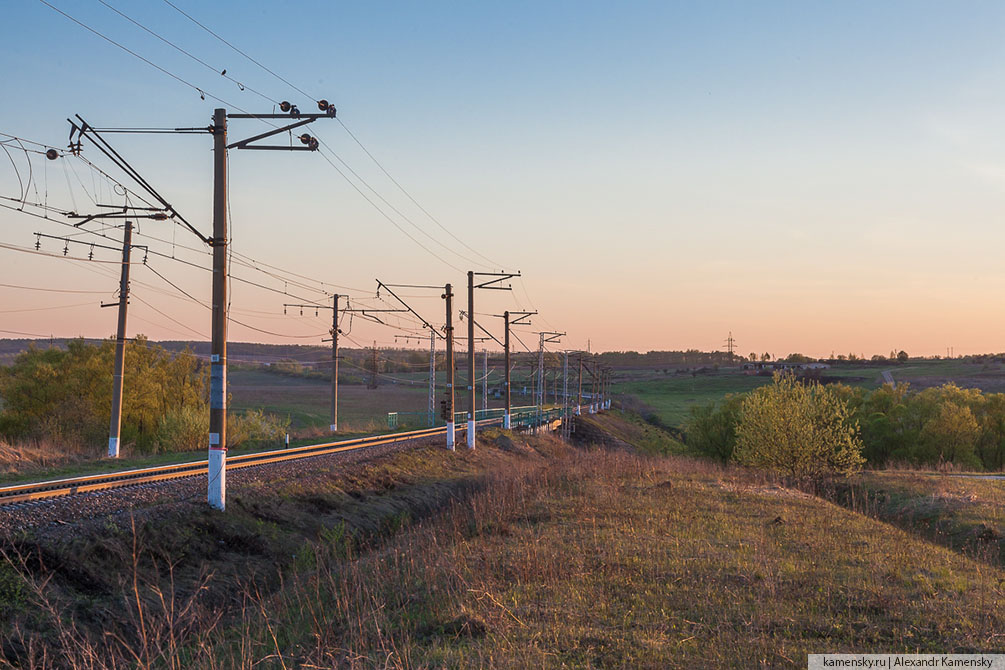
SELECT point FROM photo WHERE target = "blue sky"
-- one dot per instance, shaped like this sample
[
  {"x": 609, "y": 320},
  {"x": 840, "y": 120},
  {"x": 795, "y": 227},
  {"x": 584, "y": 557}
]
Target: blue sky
[{"x": 812, "y": 176}]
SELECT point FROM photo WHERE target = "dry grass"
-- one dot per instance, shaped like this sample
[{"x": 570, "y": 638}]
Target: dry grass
[
  {"x": 584, "y": 559},
  {"x": 964, "y": 513},
  {"x": 40, "y": 455}
]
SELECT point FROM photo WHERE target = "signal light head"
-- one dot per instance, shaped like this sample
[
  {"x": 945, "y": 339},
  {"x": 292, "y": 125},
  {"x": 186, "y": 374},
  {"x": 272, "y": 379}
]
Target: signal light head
[
  {"x": 322, "y": 105},
  {"x": 305, "y": 139},
  {"x": 52, "y": 154},
  {"x": 285, "y": 106}
]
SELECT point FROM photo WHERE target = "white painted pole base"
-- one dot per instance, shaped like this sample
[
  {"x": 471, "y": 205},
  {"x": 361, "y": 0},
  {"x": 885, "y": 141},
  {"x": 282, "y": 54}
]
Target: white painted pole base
[
  {"x": 471, "y": 433},
  {"x": 450, "y": 435},
  {"x": 218, "y": 478},
  {"x": 506, "y": 421},
  {"x": 579, "y": 410},
  {"x": 113, "y": 447},
  {"x": 333, "y": 427}
]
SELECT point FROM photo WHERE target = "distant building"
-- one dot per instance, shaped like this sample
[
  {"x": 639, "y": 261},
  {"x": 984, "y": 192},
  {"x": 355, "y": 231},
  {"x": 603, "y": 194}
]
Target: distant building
[{"x": 754, "y": 367}]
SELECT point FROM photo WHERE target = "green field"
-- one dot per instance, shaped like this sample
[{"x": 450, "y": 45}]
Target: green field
[
  {"x": 307, "y": 401},
  {"x": 671, "y": 396}
]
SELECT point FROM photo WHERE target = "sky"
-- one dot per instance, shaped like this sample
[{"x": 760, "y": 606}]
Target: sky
[{"x": 812, "y": 177}]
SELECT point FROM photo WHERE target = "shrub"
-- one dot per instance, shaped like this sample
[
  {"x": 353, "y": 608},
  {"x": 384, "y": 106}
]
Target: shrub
[
  {"x": 801, "y": 430},
  {"x": 711, "y": 430},
  {"x": 183, "y": 429},
  {"x": 255, "y": 426}
]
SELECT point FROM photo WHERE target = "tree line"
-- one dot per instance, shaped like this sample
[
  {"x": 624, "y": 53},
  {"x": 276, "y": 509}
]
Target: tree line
[
  {"x": 64, "y": 396},
  {"x": 940, "y": 426}
]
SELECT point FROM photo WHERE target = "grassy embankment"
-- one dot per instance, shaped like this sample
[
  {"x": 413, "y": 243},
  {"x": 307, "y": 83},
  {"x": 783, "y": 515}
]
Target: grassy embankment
[
  {"x": 963, "y": 513},
  {"x": 525, "y": 555}
]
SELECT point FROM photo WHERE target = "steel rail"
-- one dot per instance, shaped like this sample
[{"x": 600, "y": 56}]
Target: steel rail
[{"x": 34, "y": 491}]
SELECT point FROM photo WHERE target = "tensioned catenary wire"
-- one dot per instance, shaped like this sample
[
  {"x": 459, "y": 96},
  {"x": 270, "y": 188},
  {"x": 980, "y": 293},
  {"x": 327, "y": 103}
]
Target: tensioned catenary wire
[
  {"x": 346, "y": 128},
  {"x": 332, "y": 151},
  {"x": 203, "y": 92}
]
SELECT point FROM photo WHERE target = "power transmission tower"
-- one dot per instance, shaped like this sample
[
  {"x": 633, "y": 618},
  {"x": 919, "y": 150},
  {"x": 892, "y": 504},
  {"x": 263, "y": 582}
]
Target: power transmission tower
[
  {"x": 730, "y": 346},
  {"x": 335, "y": 358},
  {"x": 489, "y": 284}
]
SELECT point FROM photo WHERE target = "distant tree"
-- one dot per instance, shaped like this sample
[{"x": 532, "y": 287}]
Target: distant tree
[
  {"x": 841, "y": 357},
  {"x": 952, "y": 434},
  {"x": 802, "y": 430},
  {"x": 753, "y": 356},
  {"x": 797, "y": 358},
  {"x": 711, "y": 430},
  {"x": 765, "y": 356},
  {"x": 878, "y": 357},
  {"x": 902, "y": 356},
  {"x": 65, "y": 395}
]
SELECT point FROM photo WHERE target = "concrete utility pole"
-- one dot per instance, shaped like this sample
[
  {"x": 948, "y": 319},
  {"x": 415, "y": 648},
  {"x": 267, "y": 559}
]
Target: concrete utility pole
[
  {"x": 565, "y": 380},
  {"x": 217, "y": 494},
  {"x": 120, "y": 345},
  {"x": 448, "y": 296},
  {"x": 579, "y": 384},
  {"x": 485, "y": 381},
  {"x": 507, "y": 421},
  {"x": 488, "y": 284},
  {"x": 523, "y": 319},
  {"x": 541, "y": 388},
  {"x": 334, "y": 334},
  {"x": 432, "y": 377},
  {"x": 218, "y": 353},
  {"x": 334, "y": 340},
  {"x": 593, "y": 388},
  {"x": 539, "y": 399},
  {"x": 217, "y": 482},
  {"x": 471, "y": 359},
  {"x": 565, "y": 394}
]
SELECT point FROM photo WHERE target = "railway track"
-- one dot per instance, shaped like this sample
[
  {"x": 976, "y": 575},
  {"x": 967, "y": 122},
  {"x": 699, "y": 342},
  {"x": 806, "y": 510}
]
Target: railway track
[{"x": 56, "y": 488}]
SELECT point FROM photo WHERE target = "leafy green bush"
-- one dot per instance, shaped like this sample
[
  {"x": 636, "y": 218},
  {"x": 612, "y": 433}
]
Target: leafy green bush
[
  {"x": 255, "y": 426},
  {"x": 802, "y": 430},
  {"x": 711, "y": 431},
  {"x": 184, "y": 429}
]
